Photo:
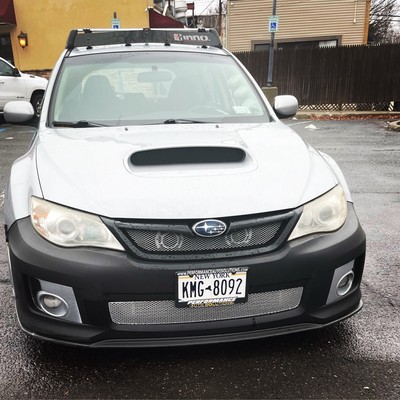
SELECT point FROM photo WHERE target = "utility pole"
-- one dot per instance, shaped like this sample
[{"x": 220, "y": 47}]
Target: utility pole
[
  {"x": 271, "y": 49},
  {"x": 220, "y": 18}
]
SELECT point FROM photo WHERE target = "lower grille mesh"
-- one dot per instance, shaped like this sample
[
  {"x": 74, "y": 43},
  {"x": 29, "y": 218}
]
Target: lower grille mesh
[{"x": 165, "y": 312}]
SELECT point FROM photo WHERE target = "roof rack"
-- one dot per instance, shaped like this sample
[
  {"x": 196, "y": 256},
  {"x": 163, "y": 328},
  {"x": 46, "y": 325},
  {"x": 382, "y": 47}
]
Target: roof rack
[{"x": 102, "y": 37}]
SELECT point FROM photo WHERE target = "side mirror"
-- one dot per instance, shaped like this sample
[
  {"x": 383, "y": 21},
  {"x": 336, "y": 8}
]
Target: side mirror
[
  {"x": 285, "y": 106},
  {"x": 16, "y": 72},
  {"x": 16, "y": 112}
]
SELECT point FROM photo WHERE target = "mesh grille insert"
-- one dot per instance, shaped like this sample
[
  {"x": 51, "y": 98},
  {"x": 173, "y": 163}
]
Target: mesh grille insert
[
  {"x": 248, "y": 235},
  {"x": 165, "y": 312},
  {"x": 167, "y": 242}
]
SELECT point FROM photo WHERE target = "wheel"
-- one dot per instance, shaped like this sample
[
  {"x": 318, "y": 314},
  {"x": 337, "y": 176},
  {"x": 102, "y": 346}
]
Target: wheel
[{"x": 36, "y": 102}]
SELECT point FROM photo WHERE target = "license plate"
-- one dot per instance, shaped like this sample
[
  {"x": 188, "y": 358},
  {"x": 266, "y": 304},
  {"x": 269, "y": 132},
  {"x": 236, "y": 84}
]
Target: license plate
[{"x": 214, "y": 287}]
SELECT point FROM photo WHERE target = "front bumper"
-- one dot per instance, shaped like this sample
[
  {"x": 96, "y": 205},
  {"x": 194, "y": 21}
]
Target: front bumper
[{"x": 100, "y": 277}]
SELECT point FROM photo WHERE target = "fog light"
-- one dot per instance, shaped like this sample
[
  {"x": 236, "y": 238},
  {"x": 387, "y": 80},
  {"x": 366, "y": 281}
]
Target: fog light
[
  {"x": 51, "y": 301},
  {"x": 52, "y": 304},
  {"x": 342, "y": 282},
  {"x": 345, "y": 283},
  {"x": 55, "y": 300}
]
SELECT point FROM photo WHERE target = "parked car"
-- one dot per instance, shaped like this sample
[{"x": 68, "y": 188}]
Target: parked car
[
  {"x": 15, "y": 85},
  {"x": 162, "y": 202}
]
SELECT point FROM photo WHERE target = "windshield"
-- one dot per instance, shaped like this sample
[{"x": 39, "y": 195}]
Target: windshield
[{"x": 138, "y": 88}]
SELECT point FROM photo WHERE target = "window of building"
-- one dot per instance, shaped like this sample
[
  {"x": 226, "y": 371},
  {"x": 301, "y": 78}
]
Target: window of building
[
  {"x": 5, "y": 48},
  {"x": 261, "y": 47},
  {"x": 298, "y": 43}
]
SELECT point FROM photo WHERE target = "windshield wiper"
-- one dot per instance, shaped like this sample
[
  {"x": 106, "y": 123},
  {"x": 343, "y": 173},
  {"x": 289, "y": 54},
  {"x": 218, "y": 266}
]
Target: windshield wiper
[
  {"x": 183, "y": 121},
  {"x": 79, "y": 124}
]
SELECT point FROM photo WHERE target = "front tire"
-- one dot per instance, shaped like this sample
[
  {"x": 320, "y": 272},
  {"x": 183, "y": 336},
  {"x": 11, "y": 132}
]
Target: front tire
[{"x": 36, "y": 102}]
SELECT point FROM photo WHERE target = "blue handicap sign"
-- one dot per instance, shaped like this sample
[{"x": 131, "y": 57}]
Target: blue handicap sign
[
  {"x": 273, "y": 23},
  {"x": 115, "y": 23}
]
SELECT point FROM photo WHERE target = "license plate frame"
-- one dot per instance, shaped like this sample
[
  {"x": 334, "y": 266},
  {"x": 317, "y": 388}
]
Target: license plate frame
[{"x": 211, "y": 287}]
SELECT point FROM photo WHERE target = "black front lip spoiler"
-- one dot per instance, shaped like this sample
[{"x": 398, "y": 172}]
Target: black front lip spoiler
[{"x": 199, "y": 340}]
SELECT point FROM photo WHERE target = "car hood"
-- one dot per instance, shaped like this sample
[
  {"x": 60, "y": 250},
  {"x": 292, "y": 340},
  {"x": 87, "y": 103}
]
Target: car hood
[
  {"x": 37, "y": 79},
  {"x": 93, "y": 170}
]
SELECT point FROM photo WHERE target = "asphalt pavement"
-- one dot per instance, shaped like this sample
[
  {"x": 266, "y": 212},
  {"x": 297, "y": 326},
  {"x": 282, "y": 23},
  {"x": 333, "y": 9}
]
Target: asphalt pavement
[{"x": 356, "y": 359}]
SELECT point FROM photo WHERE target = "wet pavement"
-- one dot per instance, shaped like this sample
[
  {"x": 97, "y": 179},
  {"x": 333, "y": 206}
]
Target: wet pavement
[{"x": 358, "y": 358}]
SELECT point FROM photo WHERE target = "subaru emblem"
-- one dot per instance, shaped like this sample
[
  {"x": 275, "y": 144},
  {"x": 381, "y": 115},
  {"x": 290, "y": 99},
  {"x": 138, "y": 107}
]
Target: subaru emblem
[{"x": 209, "y": 228}]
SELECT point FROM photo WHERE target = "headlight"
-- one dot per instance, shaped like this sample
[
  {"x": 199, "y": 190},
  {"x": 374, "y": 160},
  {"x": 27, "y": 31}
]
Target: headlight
[
  {"x": 70, "y": 228},
  {"x": 325, "y": 214}
]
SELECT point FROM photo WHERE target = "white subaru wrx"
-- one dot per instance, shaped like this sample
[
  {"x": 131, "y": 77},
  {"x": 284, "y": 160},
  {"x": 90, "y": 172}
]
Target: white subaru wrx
[{"x": 162, "y": 202}]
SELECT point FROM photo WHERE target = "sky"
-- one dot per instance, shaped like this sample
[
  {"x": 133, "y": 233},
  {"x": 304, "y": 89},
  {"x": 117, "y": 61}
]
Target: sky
[{"x": 202, "y": 6}]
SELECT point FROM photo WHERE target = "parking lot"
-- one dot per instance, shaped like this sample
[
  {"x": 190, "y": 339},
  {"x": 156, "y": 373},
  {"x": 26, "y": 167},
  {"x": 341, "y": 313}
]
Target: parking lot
[{"x": 358, "y": 358}]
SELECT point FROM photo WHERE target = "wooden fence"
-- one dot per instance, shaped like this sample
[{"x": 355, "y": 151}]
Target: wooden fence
[{"x": 362, "y": 77}]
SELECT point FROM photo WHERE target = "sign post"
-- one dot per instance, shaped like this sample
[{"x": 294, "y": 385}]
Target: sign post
[{"x": 273, "y": 27}]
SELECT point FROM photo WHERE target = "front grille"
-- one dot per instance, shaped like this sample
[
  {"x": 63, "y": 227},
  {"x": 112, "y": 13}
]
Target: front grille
[
  {"x": 164, "y": 311},
  {"x": 176, "y": 240},
  {"x": 171, "y": 242}
]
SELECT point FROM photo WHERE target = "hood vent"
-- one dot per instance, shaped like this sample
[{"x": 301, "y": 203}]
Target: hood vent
[{"x": 188, "y": 155}]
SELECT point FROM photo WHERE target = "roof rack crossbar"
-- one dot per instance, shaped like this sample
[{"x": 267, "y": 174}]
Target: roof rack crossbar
[{"x": 103, "y": 37}]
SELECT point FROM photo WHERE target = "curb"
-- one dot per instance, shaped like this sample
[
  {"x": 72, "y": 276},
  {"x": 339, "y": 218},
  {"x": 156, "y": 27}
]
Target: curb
[{"x": 306, "y": 114}]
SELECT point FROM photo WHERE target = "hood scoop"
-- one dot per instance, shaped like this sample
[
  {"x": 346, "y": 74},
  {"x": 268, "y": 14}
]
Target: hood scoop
[{"x": 188, "y": 155}]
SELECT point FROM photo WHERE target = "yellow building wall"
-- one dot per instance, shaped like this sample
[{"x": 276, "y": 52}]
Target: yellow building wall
[{"x": 48, "y": 23}]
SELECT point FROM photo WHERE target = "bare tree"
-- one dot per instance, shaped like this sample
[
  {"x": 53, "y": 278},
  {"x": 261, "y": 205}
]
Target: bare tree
[{"x": 381, "y": 28}]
